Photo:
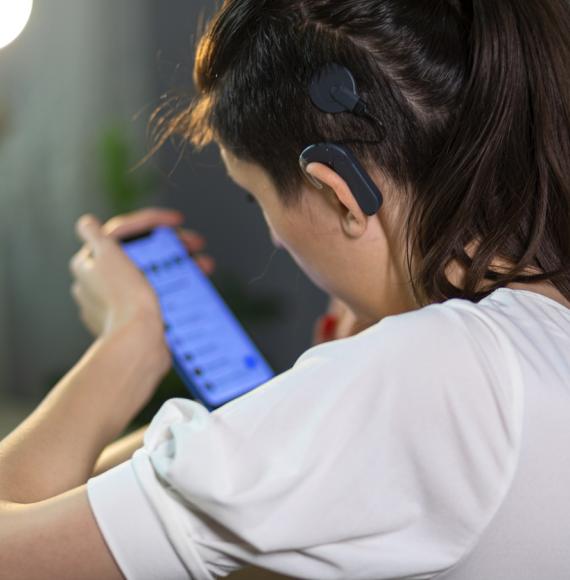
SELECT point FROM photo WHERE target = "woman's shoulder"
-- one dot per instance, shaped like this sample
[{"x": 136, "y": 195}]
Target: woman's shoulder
[
  {"x": 403, "y": 422},
  {"x": 457, "y": 350},
  {"x": 432, "y": 332}
]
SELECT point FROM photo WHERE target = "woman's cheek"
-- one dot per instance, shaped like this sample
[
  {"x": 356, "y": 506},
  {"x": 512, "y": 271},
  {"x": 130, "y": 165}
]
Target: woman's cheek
[
  {"x": 314, "y": 269},
  {"x": 292, "y": 236}
]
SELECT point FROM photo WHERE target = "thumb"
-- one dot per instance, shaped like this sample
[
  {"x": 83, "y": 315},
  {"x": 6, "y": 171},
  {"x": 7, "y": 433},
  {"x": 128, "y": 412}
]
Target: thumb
[{"x": 89, "y": 229}]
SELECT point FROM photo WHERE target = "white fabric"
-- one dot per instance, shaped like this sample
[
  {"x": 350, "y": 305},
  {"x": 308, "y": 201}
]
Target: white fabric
[
  {"x": 381, "y": 456},
  {"x": 108, "y": 497},
  {"x": 529, "y": 536}
]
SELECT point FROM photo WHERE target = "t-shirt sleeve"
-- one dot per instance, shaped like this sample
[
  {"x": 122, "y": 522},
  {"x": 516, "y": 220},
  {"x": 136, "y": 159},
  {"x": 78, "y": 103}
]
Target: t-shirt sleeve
[{"x": 382, "y": 455}]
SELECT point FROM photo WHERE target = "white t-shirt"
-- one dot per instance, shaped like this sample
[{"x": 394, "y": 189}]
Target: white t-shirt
[{"x": 405, "y": 451}]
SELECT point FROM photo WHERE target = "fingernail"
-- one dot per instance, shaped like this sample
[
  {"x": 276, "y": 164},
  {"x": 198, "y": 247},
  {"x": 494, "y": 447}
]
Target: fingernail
[
  {"x": 87, "y": 219},
  {"x": 329, "y": 325},
  {"x": 83, "y": 222}
]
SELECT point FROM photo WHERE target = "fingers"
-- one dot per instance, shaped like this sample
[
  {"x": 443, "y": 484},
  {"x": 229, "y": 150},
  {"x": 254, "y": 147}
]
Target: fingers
[
  {"x": 88, "y": 229},
  {"x": 140, "y": 221},
  {"x": 83, "y": 254},
  {"x": 76, "y": 292},
  {"x": 81, "y": 261},
  {"x": 82, "y": 300},
  {"x": 193, "y": 241},
  {"x": 325, "y": 329},
  {"x": 81, "y": 294},
  {"x": 206, "y": 264}
]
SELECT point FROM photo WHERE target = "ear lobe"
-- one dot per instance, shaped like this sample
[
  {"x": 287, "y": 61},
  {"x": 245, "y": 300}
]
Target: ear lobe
[{"x": 353, "y": 220}]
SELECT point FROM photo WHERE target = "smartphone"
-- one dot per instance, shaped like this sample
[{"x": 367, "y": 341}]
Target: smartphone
[{"x": 212, "y": 353}]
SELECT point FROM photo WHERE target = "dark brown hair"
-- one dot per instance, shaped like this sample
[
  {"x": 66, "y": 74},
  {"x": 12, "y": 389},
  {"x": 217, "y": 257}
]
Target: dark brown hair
[{"x": 474, "y": 96}]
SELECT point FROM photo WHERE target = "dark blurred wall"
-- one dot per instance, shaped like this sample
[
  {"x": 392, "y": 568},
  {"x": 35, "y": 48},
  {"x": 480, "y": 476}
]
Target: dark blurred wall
[{"x": 78, "y": 67}]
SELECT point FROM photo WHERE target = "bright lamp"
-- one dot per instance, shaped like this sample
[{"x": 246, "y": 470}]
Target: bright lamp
[{"x": 14, "y": 15}]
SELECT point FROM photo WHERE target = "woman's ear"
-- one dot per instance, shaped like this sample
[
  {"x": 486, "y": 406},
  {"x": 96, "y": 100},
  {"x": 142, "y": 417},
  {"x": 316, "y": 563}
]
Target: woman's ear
[{"x": 353, "y": 220}]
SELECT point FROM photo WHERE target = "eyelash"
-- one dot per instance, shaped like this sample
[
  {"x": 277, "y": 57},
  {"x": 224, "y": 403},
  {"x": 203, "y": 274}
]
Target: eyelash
[{"x": 250, "y": 198}]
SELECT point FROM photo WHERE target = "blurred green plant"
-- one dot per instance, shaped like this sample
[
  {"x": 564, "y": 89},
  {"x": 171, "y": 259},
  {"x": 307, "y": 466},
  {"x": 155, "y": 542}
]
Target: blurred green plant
[{"x": 125, "y": 187}]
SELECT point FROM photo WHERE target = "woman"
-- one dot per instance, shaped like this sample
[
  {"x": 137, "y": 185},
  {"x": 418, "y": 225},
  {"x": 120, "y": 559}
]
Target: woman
[{"x": 432, "y": 443}]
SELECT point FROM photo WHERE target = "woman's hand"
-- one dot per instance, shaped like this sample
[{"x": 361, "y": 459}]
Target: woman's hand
[{"x": 108, "y": 288}]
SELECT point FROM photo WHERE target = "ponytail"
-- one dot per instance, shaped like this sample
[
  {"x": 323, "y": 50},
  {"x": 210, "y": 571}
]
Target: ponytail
[{"x": 506, "y": 164}]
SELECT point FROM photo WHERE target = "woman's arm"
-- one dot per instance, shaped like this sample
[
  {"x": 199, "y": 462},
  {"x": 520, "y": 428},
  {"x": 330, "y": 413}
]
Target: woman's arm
[
  {"x": 54, "y": 450},
  {"x": 55, "y": 538},
  {"x": 119, "y": 451},
  {"x": 56, "y": 447}
]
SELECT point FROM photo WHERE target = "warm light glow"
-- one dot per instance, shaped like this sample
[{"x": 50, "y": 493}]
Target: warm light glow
[{"x": 14, "y": 15}]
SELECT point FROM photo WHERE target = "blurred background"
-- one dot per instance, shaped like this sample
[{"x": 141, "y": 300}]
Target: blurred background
[{"x": 76, "y": 91}]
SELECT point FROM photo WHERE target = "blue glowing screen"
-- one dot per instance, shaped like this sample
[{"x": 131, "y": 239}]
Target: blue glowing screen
[{"x": 212, "y": 353}]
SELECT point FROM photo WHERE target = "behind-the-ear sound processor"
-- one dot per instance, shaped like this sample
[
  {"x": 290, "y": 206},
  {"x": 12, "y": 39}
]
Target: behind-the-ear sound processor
[{"x": 333, "y": 90}]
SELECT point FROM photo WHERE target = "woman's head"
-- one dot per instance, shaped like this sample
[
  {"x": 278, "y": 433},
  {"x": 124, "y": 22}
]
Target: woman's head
[{"x": 473, "y": 161}]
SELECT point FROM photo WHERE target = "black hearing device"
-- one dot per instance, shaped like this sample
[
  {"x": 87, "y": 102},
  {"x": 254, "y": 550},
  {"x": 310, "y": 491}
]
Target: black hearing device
[{"x": 333, "y": 90}]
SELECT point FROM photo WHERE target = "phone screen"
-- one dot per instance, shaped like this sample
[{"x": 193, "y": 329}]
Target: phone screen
[{"x": 212, "y": 353}]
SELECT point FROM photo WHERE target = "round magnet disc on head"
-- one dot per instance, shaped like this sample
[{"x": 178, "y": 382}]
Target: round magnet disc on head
[{"x": 320, "y": 90}]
